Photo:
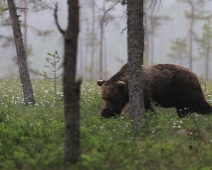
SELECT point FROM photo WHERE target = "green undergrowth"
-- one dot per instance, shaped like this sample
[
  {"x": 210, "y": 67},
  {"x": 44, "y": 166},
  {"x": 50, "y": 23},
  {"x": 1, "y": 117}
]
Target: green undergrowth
[{"x": 33, "y": 137}]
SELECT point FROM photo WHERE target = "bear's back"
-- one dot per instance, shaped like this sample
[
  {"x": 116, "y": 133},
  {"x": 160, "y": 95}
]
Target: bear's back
[{"x": 172, "y": 83}]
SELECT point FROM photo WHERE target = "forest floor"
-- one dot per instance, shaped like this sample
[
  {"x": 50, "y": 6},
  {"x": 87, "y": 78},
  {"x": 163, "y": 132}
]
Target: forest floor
[{"x": 33, "y": 137}]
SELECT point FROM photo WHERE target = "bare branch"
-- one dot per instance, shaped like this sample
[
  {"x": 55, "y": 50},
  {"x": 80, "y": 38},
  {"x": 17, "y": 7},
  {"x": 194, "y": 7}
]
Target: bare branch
[
  {"x": 21, "y": 8},
  {"x": 112, "y": 6},
  {"x": 124, "y": 29},
  {"x": 39, "y": 31},
  {"x": 105, "y": 12},
  {"x": 7, "y": 38},
  {"x": 153, "y": 4},
  {"x": 56, "y": 20},
  {"x": 47, "y": 4},
  {"x": 5, "y": 9},
  {"x": 124, "y": 2}
]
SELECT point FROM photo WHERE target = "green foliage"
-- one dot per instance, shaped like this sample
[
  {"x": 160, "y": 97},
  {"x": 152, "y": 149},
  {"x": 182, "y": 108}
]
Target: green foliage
[
  {"x": 205, "y": 42},
  {"x": 197, "y": 6},
  {"x": 179, "y": 50},
  {"x": 53, "y": 76},
  {"x": 205, "y": 45},
  {"x": 29, "y": 134},
  {"x": 33, "y": 137}
]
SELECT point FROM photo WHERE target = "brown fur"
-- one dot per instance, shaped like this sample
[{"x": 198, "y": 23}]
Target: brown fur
[{"x": 168, "y": 85}]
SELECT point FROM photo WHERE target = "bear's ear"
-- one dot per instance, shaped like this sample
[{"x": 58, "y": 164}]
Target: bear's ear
[
  {"x": 120, "y": 84},
  {"x": 100, "y": 82}
]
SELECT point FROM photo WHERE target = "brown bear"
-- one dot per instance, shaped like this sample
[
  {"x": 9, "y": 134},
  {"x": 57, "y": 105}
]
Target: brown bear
[{"x": 167, "y": 85}]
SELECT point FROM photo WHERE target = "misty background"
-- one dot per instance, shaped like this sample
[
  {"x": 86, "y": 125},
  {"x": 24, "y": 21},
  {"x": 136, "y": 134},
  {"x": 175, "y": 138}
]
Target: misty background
[{"x": 43, "y": 36}]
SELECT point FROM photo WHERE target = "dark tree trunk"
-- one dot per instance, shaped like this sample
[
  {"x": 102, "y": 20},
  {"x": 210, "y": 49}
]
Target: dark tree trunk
[
  {"x": 71, "y": 87},
  {"x": 21, "y": 55},
  {"x": 25, "y": 28},
  {"x": 135, "y": 58}
]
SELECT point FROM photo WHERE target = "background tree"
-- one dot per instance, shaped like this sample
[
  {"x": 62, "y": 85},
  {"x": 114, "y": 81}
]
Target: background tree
[
  {"x": 93, "y": 39},
  {"x": 95, "y": 42},
  {"x": 71, "y": 87},
  {"x": 91, "y": 42},
  {"x": 135, "y": 43},
  {"x": 21, "y": 56},
  {"x": 152, "y": 23},
  {"x": 25, "y": 25},
  {"x": 52, "y": 75},
  {"x": 7, "y": 39},
  {"x": 196, "y": 13},
  {"x": 104, "y": 19},
  {"x": 205, "y": 46},
  {"x": 179, "y": 51}
]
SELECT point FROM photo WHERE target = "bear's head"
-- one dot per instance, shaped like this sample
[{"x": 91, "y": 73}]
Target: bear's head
[{"x": 115, "y": 96}]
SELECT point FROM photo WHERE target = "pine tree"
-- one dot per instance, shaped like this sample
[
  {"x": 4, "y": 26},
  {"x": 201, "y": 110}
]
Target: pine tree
[
  {"x": 71, "y": 86},
  {"x": 21, "y": 55},
  {"x": 205, "y": 46},
  {"x": 196, "y": 13},
  {"x": 135, "y": 43},
  {"x": 179, "y": 51}
]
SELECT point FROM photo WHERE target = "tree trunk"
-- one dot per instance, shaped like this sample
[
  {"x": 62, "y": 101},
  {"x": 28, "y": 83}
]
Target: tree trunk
[
  {"x": 101, "y": 49},
  {"x": 25, "y": 28},
  {"x": 81, "y": 64},
  {"x": 135, "y": 59},
  {"x": 21, "y": 55},
  {"x": 105, "y": 63},
  {"x": 191, "y": 38},
  {"x": 152, "y": 44},
  {"x": 93, "y": 40},
  {"x": 71, "y": 87},
  {"x": 102, "y": 20},
  {"x": 180, "y": 58},
  {"x": 146, "y": 37},
  {"x": 207, "y": 58}
]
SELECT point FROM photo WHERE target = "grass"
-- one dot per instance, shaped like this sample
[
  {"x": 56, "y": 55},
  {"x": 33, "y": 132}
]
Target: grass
[{"x": 33, "y": 137}]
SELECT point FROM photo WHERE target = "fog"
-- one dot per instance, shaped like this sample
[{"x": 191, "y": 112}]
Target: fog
[{"x": 115, "y": 36}]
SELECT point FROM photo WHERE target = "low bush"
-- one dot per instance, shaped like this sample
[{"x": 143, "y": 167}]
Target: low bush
[{"x": 33, "y": 137}]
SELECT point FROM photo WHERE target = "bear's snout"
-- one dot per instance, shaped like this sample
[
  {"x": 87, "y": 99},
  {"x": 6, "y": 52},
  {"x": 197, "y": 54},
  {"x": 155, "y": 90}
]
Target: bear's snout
[{"x": 108, "y": 113}]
